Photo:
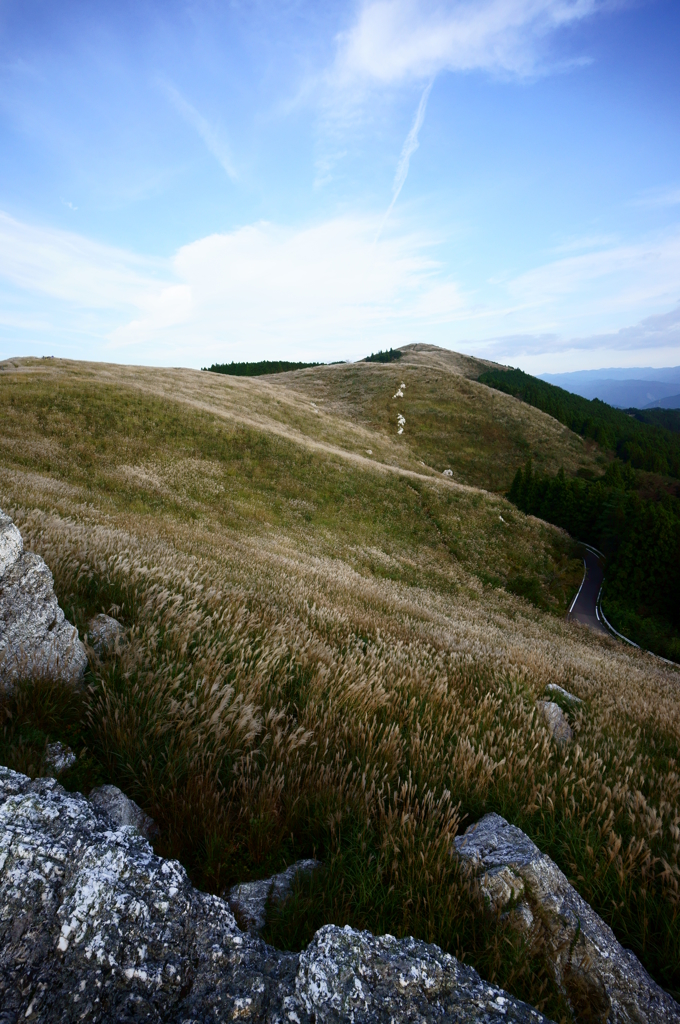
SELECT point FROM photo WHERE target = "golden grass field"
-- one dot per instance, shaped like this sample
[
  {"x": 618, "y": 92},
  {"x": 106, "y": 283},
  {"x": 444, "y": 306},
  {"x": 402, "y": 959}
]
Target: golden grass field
[{"x": 327, "y": 651}]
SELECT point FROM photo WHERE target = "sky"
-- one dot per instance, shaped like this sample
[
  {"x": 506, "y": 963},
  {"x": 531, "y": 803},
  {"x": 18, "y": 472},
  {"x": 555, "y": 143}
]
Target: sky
[{"x": 183, "y": 183}]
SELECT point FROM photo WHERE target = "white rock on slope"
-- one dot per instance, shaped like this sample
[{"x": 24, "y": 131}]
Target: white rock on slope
[
  {"x": 597, "y": 974},
  {"x": 35, "y": 638},
  {"x": 554, "y": 690}
]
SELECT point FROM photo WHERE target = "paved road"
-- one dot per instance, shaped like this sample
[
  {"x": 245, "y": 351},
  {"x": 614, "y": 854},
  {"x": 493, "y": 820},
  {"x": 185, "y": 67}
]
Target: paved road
[{"x": 584, "y": 607}]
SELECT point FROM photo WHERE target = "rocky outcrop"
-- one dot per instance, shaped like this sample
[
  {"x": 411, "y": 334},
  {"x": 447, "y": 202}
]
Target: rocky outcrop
[
  {"x": 345, "y": 975},
  {"x": 94, "y": 927},
  {"x": 249, "y": 899},
  {"x": 35, "y": 638},
  {"x": 122, "y": 810},
  {"x": 103, "y": 633},
  {"x": 602, "y": 980}
]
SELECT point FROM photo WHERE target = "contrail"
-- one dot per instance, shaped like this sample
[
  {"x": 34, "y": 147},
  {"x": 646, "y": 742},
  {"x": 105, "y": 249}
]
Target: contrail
[
  {"x": 209, "y": 133},
  {"x": 407, "y": 151}
]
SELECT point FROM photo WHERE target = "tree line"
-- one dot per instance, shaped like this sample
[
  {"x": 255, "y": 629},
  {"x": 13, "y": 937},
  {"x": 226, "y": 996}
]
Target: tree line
[{"x": 257, "y": 369}]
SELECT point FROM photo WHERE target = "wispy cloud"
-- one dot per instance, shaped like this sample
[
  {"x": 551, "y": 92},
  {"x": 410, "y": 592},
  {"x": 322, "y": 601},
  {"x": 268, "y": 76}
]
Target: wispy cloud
[
  {"x": 654, "y": 338},
  {"x": 659, "y": 197},
  {"x": 71, "y": 268},
  {"x": 407, "y": 151},
  {"x": 212, "y": 136},
  {"x": 394, "y": 40},
  {"x": 326, "y": 289},
  {"x": 611, "y": 278}
]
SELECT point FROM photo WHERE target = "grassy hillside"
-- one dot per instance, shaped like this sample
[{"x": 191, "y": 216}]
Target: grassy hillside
[
  {"x": 335, "y": 649},
  {"x": 452, "y": 422}
]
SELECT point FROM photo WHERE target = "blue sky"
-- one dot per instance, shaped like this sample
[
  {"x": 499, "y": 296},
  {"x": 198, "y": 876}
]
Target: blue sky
[{"x": 199, "y": 181}]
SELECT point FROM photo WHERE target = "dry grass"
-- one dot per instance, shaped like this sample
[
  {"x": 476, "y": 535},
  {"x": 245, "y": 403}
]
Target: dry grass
[
  {"x": 324, "y": 656},
  {"x": 452, "y": 422}
]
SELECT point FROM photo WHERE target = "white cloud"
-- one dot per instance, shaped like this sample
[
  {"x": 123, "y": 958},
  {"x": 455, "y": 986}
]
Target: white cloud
[
  {"x": 395, "y": 40},
  {"x": 656, "y": 339},
  {"x": 212, "y": 136},
  {"x": 328, "y": 288},
  {"x": 328, "y": 291}
]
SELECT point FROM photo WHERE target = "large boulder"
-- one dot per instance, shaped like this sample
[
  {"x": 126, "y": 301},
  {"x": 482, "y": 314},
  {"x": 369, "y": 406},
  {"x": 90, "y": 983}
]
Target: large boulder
[
  {"x": 602, "y": 980},
  {"x": 95, "y": 927},
  {"x": 35, "y": 638}
]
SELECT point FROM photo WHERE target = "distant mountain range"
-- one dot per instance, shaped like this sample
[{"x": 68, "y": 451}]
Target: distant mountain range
[
  {"x": 635, "y": 387},
  {"x": 665, "y": 403}
]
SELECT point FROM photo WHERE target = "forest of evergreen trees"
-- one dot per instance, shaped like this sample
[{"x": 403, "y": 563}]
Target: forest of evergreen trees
[
  {"x": 639, "y": 537},
  {"x": 257, "y": 369}
]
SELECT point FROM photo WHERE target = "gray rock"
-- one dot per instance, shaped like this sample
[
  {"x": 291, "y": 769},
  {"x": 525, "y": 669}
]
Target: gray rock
[
  {"x": 59, "y": 758},
  {"x": 122, "y": 810},
  {"x": 556, "y": 720},
  {"x": 94, "y": 926},
  {"x": 103, "y": 632},
  {"x": 553, "y": 690},
  {"x": 592, "y": 968},
  {"x": 249, "y": 899},
  {"x": 346, "y": 975},
  {"x": 11, "y": 544},
  {"x": 35, "y": 638}
]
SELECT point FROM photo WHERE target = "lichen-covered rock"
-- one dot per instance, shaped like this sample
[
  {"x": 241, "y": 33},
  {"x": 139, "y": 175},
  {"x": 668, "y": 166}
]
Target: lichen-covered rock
[
  {"x": 35, "y": 638},
  {"x": 597, "y": 974},
  {"x": 249, "y": 899},
  {"x": 103, "y": 632},
  {"x": 122, "y": 810},
  {"x": 346, "y": 975},
  {"x": 95, "y": 927},
  {"x": 556, "y": 720},
  {"x": 554, "y": 690},
  {"x": 59, "y": 758}
]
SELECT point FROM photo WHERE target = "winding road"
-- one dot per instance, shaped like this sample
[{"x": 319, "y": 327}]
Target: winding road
[{"x": 584, "y": 605}]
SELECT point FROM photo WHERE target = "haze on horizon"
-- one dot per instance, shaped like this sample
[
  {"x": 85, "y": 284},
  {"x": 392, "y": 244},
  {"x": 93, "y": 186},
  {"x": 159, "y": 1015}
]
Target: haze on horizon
[{"x": 189, "y": 182}]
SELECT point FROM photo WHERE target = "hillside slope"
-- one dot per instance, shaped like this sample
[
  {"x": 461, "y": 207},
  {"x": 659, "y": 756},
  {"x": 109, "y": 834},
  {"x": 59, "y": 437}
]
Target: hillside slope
[
  {"x": 330, "y": 652},
  {"x": 451, "y": 421}
]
